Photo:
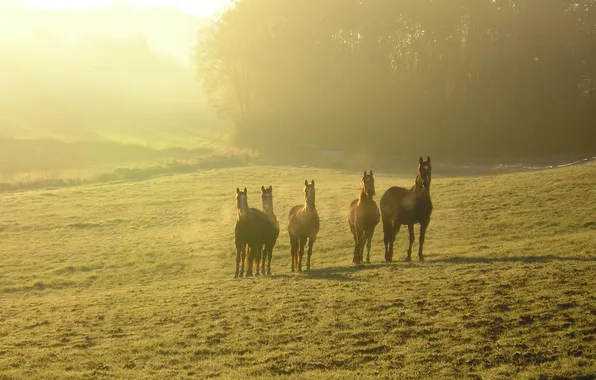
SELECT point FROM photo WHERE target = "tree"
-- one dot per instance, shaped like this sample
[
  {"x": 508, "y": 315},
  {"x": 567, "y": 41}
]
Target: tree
[{"x": 460, "y": 78}]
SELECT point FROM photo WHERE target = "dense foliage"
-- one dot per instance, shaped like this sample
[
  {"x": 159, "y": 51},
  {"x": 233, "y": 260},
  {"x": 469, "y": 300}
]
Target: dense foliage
[{"x": 457, "y": 78}]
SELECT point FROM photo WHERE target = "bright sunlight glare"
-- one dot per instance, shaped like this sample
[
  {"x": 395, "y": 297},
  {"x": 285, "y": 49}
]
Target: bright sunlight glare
[{"x": 202, "y": 8}]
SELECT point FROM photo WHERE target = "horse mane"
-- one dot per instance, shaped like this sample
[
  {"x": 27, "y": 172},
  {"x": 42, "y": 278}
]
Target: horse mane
[{"x": 363, "y": 196}]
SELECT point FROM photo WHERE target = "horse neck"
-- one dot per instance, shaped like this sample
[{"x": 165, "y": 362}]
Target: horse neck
[
  {"x": 242, "y": 214},
  {"x": 418, "y": 187},
  {"x": 309, "y": 206},
  {"x": 268, "y": 208},
  {"x": 363, "y": 197}
]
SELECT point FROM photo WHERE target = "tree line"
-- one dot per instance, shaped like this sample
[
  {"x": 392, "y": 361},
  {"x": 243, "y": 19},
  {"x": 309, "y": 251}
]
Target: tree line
[{"x": 453, "y": 78}]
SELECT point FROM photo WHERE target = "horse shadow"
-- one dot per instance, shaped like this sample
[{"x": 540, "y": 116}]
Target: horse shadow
[
  {"x": 336, "y": 273},
  {"x": 342, "y": 273}
]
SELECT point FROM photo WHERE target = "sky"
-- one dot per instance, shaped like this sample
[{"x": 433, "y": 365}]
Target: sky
[{"x": 203, "y": 8}]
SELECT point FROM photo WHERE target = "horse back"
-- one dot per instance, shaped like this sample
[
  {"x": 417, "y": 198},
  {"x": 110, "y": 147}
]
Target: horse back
[
  {"x": 302, "y": 224},
  {"x": 405, "y": 206},
  {"x": 258, "y": 226},
  {"x": 273, "y": 228},
  {"x": 392, "y": 200},
  {"x": 293, "y": 211},
  {"x": 352, "y": 216},
  {"x": 367, "y": 214}
]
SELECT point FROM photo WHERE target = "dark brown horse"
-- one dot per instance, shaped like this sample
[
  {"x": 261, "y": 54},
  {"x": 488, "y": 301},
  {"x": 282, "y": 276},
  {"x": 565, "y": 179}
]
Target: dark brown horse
[
  {"x": 400, "y": 206},
  {"x": 250, "y": 225},
  {"x": 363, "y": 218},
  {"x": 272, "y": 230},
  {"x": 303, "y": 225}
]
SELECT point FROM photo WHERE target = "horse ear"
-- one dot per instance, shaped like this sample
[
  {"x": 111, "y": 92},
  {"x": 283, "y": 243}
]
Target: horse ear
[
  {"x": 263, "y": 188},
  {"x": 364, "y": 173},
  {"x": 245, "y": 191},
  {"x": 428, "y": 159},
  {"x": 312, "y": 181},
  {"x": 305, "y": 183},
  {"x": 270, "y": 188},
  {"x": 237, "y": 191},
  {"x": 370, "y": 173},
  {"x": 420, "y": 161}
]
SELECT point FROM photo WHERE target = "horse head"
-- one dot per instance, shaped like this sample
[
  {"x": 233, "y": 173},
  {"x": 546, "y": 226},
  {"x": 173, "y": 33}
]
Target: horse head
[
  {"x": 424, "y": 172},
  {"x": 267, "y": 197},
  {"x": 367, "y": 184},
  {"x": 242, "y": 201},
  {"x": 309, "y": 193}
]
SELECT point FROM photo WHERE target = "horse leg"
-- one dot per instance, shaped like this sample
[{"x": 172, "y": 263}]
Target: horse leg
[
  {"x": 251, "y": 254},
  {"x": 394, "y": 232},
  {"x": 294, "y": 251},
  {"x": 361, "y": 244},
  {"x": 258, "y": 258},
  {"x": 423, "y": 227},
  {"x": 387, "y": 231},
  {"x": 358, "y": 236},
  {"x": 411, "y": 232},
  {"x": 301, "y": 253},
  {"x": 264, "y": 258},
  {"x": 269, "y": 256},
  {"x": 238, "y": 255},
  {"x": 368, "y": 244},
  {"x": 244, "y": 252},
  {"x": 355, "y": 258},
  {"x": 311, "y": 242}
]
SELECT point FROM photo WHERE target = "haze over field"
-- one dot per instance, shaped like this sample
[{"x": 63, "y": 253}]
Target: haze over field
[{"x": 117, "y": 74}]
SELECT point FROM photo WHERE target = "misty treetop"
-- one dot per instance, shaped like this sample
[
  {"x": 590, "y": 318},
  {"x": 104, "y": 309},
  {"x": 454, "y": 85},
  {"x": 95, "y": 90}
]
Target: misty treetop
[{"x": 457, "y": 78}]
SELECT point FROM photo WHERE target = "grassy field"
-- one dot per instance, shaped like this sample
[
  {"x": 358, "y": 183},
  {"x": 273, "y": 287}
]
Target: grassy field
[{"x": 134, "y": 280}]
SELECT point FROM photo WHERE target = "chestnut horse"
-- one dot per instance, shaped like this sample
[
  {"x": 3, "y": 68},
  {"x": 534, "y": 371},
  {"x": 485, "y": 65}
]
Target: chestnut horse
[
  {"x": 250, "y": 224},
  {"x": 363, "y": 218},
  {"x": 272, "y": 230},
  {"x": 400, "y": 206},
  {"x": 303, "y": 225}
]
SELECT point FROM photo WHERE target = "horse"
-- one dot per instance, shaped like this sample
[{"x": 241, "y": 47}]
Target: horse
[
  {"x": 250, "y": 224},
  {"x": 400, "y": 206},
  {"x": 303, "y": 225},
  {"x": 363, "y": 218},
  {"x": 272, "y": 230}
]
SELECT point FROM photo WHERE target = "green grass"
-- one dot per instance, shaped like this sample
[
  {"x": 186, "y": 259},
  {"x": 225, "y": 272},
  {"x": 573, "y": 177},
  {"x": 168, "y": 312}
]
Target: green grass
[{"x": 134, "y": 280}]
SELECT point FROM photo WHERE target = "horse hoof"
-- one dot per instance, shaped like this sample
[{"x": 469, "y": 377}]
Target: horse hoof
[
  {"x": 368, "y": 261},
  {"x": 408, "y": 259},
  {"x": 268, "y": 273}
]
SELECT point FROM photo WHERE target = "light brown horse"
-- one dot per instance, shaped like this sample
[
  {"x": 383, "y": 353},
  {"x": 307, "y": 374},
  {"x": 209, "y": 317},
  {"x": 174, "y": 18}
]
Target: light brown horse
[
  {"x": 271, "y": 232},
  {"x": 400, "y": 206},
  {"x": 363, "y": 218},
  {"x": 250, "y": 224},
  {"x": 303, "y": 225}
]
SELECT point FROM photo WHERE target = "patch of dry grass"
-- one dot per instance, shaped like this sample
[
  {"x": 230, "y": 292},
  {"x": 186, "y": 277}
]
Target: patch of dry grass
[{"x": 134, "y": 280}]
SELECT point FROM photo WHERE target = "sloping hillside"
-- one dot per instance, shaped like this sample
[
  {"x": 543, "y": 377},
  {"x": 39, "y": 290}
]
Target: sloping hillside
[{"x": 134, "y": 280}]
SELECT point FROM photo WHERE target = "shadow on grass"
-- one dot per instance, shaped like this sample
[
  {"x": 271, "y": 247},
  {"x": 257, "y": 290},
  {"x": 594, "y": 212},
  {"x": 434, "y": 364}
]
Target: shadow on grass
[
  {"x": 343, "y": 273},
  {"x": 511, "y": 259}
]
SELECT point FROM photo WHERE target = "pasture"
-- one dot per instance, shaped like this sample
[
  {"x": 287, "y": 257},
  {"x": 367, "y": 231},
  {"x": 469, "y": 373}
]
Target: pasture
[{"x": 134, "y": 280}]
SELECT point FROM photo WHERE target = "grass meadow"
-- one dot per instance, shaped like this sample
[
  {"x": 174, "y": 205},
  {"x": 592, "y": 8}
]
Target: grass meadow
[{"x": 134, "y": 280}]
